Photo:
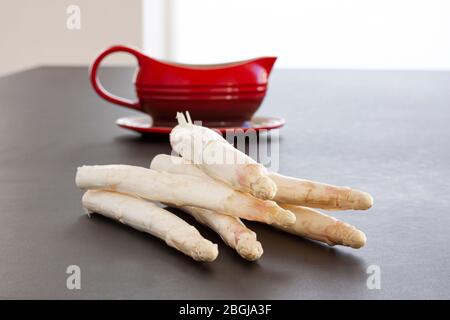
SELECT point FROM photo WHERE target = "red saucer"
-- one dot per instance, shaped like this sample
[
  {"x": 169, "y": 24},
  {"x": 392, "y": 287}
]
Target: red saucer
[{"x": 144, "y": 124}]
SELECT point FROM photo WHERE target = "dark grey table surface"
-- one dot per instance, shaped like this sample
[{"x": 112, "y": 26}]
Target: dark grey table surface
[{"x": 384, "y": 132}]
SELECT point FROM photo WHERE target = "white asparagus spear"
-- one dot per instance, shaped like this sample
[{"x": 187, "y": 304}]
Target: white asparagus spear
[
  {"x": 290, "y": 190},
  {"x": 231, "y": 229},
  {"x": 309, "y": 223},
  {"x": 148, "y": 217},
  {"x": 181, "y": 190},
  {"x": 219, "y": 159},
  {"x": 319, "y": 195},
  {"x": 315, "y": 225}
]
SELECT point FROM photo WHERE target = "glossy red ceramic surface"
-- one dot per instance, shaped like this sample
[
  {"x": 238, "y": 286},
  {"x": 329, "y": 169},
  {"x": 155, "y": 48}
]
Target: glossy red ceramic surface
[
  {"x": 144, "y": 124},
  {"x": 220, "y": 95}
]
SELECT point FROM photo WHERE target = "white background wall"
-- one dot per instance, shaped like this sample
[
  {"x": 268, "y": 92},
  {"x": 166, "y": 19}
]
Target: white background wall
[
  {"x": 380, "y": 34},
  {"x": 386, "y": 34},
  {"x": 34, "y": 32}
]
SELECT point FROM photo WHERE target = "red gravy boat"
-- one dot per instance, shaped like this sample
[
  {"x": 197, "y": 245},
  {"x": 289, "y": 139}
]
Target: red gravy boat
[{"x": 221, "y": 95}]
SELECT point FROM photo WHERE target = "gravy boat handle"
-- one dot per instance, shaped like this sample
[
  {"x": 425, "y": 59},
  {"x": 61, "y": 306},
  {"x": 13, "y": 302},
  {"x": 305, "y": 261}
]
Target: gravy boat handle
[{"x": 101, "y": 91}]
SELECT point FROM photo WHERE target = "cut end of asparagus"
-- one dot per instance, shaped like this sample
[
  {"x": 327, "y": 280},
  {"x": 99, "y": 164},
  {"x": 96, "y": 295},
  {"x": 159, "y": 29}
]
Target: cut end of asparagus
[
  {"x": 362, "y": 200},
  {"x": 249, "y": 248},
  {"x": 264, "y": 188}
]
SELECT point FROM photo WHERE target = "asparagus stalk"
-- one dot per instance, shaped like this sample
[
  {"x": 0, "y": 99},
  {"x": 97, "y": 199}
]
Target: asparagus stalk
[
  {"x": 181, "y": 190},
  {"x": 232, "y": 231},
  {"x": 219, "y": 159},
  {"x": 319, "y": 195},
  {"x": 148, "y": 217},
  {"x": 309, "y": 223},
  {"x": 290, "y": 190},
  {"x": 315, "y": 225}
]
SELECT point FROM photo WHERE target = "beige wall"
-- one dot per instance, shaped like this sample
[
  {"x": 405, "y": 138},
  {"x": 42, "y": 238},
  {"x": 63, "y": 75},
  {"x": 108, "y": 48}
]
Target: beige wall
[{"x": 34, "y": 32}]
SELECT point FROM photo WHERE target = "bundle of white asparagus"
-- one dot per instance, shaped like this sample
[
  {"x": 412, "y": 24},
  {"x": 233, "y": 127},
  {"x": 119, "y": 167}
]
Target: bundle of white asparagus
[{"x": 218, "y": 195}]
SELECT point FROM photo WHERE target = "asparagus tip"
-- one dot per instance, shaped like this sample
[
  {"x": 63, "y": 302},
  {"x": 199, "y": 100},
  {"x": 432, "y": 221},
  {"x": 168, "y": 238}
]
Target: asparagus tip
[
  {"x": 358, "y": 239},
  {"x": 264, "y": 188},
  {"x": 206, "y": 251},
  {"x": 363, "y": 200},
  {"x": 284, "y": 217},
  {"x": 249, "y": 248}
]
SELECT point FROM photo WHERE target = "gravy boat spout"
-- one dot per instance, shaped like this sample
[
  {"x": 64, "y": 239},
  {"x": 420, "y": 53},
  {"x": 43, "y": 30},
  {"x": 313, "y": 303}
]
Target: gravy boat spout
[{"x": 267, "y": 63}]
